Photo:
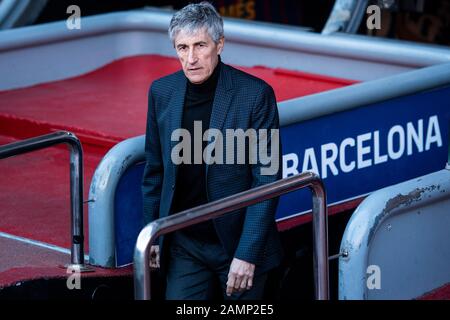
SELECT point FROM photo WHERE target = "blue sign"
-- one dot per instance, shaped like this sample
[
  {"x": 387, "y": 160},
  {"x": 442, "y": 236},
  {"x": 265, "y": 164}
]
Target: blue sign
[{"x": 361, "y": 150}]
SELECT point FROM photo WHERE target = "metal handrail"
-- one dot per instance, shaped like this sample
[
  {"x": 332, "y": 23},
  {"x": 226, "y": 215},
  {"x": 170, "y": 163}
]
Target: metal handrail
[
  {"x": 217, "y": 208},
  {"x": 76, "y": 182}
]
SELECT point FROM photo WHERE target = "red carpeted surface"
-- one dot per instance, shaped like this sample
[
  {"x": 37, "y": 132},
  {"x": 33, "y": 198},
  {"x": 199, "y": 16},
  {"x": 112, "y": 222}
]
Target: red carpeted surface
[
  {"x": 102, "y": 108},
  {"x": 441, "y": 293},
  {"x": 110, "y": 103},
  {"x": 26, "y": 261},
  {"x": 34, "y": 192}
]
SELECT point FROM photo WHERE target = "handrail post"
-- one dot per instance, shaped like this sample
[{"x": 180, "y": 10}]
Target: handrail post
[
  {"x": 320, "y": 241},
  {"x": 76, "y": 184},
  {"x": 148, "y": 235},
  {"x": 76, "y": 202},
  {"x": 142, "y": 280}
]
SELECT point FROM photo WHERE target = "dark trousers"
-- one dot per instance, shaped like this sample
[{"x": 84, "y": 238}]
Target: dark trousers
[{"x": 198, "y": 270}]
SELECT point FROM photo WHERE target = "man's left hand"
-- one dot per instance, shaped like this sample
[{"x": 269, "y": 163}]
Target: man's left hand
[{"x": 240, "y": 276}]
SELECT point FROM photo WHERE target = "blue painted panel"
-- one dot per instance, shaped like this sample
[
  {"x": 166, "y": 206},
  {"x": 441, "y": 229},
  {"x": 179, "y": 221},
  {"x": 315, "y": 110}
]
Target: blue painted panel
[
  {"x": 381, "y": 117},
  {"x": 128, "y": 218},
  {"x": 315, "y": 133}
]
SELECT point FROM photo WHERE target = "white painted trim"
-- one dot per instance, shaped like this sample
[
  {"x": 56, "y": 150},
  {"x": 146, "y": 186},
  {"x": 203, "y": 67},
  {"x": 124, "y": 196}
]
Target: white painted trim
[
  {"x": 328, "y": 205},
  {"x": 38, "y": 244}
]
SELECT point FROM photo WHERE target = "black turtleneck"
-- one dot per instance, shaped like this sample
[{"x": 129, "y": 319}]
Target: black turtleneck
[{"x": 191, "y": 178}]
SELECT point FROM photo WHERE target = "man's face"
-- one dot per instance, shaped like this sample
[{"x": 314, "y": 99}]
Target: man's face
[{"x": 198, "y": 54}]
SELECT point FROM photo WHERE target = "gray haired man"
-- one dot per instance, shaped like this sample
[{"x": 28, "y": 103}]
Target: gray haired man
[{"x": 231, "y": 254}]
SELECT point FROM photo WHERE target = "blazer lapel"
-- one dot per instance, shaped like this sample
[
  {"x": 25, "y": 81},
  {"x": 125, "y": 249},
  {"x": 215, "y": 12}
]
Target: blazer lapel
[
  {"x": 222, "y": 101},
  {"x": 176, "y": 113}
]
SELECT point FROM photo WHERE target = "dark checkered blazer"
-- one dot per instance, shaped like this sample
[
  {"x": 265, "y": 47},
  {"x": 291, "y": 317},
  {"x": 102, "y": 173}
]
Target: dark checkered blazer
[{"x": 241, "y": 101}]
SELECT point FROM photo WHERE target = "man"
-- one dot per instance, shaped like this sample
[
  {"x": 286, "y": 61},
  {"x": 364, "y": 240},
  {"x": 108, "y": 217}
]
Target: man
[{"x": 237, "y": 250}]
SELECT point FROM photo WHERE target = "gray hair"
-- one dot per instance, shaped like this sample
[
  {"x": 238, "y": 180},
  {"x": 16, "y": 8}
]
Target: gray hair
[{"x": 194, "y": 17}]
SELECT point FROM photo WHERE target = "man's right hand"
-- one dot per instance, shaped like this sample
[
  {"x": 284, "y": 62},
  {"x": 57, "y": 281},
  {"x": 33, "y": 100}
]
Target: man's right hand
[{"x": 154, "y": 257}]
